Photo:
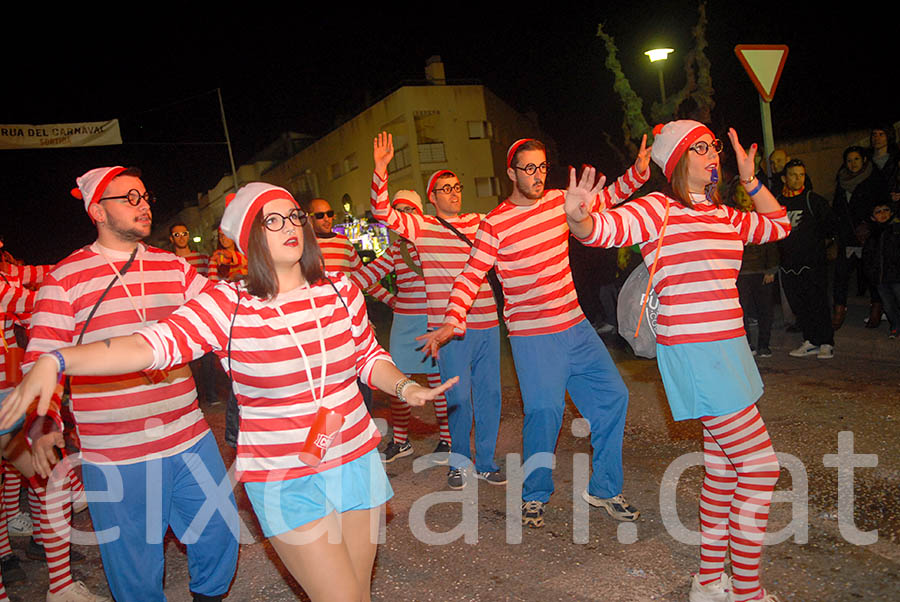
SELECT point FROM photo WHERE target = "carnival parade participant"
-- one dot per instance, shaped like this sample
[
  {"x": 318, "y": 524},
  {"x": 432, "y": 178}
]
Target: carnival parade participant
[
  {"x": 554, "y": 346},
  {"x": 410, "y": 306},
  {"x": 692, "y": 245},
  {"x": 139, "y": 423},
  {"x": 294, "y": 341},
  {"x": 443, "y": 241}
]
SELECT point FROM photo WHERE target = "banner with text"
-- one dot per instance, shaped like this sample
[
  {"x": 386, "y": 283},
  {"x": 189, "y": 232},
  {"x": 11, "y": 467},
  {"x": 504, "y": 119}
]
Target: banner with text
[{"x": 60, "y": 135}]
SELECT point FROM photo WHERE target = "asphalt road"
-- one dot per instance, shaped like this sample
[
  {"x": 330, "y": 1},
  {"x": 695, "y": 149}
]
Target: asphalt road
[{"x": 581, "y": 554}]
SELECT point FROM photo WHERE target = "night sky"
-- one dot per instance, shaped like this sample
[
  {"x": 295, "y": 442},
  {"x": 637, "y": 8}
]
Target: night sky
[{"x": 306, "y": 72}]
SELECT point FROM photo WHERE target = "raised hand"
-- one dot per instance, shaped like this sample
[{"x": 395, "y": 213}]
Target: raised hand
[
  {"x": 382, "y": 152},
  {"x": 642, "y": 163},
  {"x": 580, "y": 194},
  {"x": 417, "y": 395},
  {"x": 745, "y": 160}
]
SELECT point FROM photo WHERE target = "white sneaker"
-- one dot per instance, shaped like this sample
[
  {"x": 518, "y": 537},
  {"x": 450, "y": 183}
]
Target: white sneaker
[
  {"x": 826, "y": 352},
  {"x": 76, "y": 592},
  {"x": 763, "y": 596},
  {"x": 20, "y": 525},
  {"x": 717, "y": 591},
  {"x": 805, "y": 350}
]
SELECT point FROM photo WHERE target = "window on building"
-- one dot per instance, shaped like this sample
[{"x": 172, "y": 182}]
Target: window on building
[
  {"x": 486, "y": 187},
  {"x": 432, "y": 153},
  {"x": 350, "y": 163},
  {"x": 480, "y": 129},
  {"x": 334, "y": 171},
  {"x": 400, "y": 160}
]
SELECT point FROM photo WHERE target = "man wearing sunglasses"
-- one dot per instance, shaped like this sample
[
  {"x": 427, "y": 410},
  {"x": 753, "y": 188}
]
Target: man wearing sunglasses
[
  {"x": 554, "y": 347},
  {"x": 338, "y": 252},
  {"x": 475, "y": 357},
  {"x": 143, "y": 437},
  {"x": 180, "y": 236},
  {"x": 340, "y": 255}
]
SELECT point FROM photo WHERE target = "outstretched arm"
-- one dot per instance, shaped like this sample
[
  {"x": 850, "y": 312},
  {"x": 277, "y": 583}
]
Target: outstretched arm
[
  {"x": 386, "y": 377},
  {"x": 119, "y": 355}
]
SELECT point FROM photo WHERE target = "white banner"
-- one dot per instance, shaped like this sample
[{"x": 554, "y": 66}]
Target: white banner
[{"x": 60, "y": 135}]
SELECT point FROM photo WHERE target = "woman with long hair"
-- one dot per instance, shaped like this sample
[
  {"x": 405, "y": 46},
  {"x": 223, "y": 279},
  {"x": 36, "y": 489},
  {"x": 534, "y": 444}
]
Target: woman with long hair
[
  {"x": 692, "y": 244},
  {"x": 294, "y": 341}
]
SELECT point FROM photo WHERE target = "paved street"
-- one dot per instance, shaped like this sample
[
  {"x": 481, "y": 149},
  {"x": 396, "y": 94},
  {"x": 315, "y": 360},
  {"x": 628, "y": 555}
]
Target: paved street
[{"x": 582, "y": 555}]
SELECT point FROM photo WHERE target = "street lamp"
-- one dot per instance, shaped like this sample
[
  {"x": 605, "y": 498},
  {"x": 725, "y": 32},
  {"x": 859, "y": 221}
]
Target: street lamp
[{"x": 660, "y": 54}]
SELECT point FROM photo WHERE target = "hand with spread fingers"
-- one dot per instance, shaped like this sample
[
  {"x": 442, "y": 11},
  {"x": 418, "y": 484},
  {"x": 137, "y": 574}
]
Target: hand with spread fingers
[
  {"x": 433, "y": 340},
  {"x": 382, "y": 152}
]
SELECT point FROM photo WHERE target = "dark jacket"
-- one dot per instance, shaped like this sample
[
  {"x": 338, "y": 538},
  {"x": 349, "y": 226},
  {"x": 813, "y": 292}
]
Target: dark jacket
[
  {"x": 812, "y": 222},
  {"x": 881, "y": 253},
  {"x": 855, "y": 212}
]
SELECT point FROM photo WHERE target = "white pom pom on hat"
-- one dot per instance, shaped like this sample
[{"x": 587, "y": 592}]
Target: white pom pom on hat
[
  {"x": 672, "y": 140},
  {"x": 410, "y": 198},
  {"x": 92, "y": 184},
  {"x": 242, "y": 207}
]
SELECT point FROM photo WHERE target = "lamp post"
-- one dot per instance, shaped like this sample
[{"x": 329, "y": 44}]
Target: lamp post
[{"x": 660, "y": 54}]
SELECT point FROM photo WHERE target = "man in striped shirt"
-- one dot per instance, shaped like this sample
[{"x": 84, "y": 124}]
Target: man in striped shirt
[
  {"x": 179, "y": 236},
  {"x": 554, "y": 347},
  {"x": 475, "y": 357},
  {"x": 144, "y": 440}
]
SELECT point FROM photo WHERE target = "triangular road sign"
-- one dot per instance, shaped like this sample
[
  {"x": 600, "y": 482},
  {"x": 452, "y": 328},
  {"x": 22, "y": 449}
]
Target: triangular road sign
[{"x": 763, "y": 63}]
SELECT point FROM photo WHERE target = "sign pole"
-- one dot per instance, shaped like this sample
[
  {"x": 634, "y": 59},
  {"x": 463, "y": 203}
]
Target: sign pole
[{"x": 768, "y": 137}]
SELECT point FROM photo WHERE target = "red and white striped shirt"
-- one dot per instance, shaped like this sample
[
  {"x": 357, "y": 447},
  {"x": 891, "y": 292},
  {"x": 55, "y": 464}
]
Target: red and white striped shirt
[
  {"x": 530, "y": 246},
  {"x": 699, "y": 263},
  {"x": 122, "y": 419},
  {"x": 234, "y": 259},
  {"x": 270, "y": 379},
  {"x": 410, "y": 298},
  {"x": 198, "y": 261},
  {"x": 340, "y": 255},
  {"x": 442, "y": 253},
  {"x": 15, "y": 301}
]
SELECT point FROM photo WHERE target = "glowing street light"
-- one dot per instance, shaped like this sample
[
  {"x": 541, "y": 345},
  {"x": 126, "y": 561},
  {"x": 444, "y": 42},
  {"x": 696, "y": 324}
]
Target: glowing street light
[{"x": 660, "y": 54}]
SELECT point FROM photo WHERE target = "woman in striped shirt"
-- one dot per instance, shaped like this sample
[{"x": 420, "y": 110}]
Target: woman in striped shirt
[
  {"x": 693, "y": 246},
  {"x": 294, "y": 342}
]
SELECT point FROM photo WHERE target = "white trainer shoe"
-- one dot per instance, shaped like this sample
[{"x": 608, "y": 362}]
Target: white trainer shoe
[
  {"x": 717, "y": 591},
  {"x": 804, "y": 350},
  {"x": 20, "y": 525},
  {"x": 77, "y": 591},
  {"x": 826, "y": 352}
]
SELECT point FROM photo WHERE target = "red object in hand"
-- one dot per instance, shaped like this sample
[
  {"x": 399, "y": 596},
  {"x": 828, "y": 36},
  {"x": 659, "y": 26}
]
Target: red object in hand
[
  {"x": 324, "y": 428},
  {"x": 14, "y": 357}
]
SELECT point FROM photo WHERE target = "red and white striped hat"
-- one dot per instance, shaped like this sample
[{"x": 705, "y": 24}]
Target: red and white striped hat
[
  {"x": 242, "y": 207},
  {"x": 410, "y": 198},
  {"x": 439, "y": 173},
  {"x": 513, "y": 148},
  {"x": 672, "y": 140},
  {"x": 92, "y": 185}
]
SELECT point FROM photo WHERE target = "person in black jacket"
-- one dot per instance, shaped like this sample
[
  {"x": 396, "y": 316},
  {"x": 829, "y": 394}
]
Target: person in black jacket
[
  {"x": 803, "y": 265},
  {"x": 881, "y": 258},
  {"x": 859, "y": 187}
]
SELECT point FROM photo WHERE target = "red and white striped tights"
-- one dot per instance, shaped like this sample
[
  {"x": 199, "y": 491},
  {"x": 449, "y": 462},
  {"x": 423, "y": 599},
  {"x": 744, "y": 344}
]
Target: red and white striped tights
[{"x": 741, "y": 472}]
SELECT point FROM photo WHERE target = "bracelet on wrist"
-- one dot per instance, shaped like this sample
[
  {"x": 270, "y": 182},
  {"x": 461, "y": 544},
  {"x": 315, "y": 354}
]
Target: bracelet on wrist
[
  {"x": 748, "y": 180},
  {"x": 60, "y": 360},
  {"x": 759, "y": 185},
  {"x": 401, "y": 386}
]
